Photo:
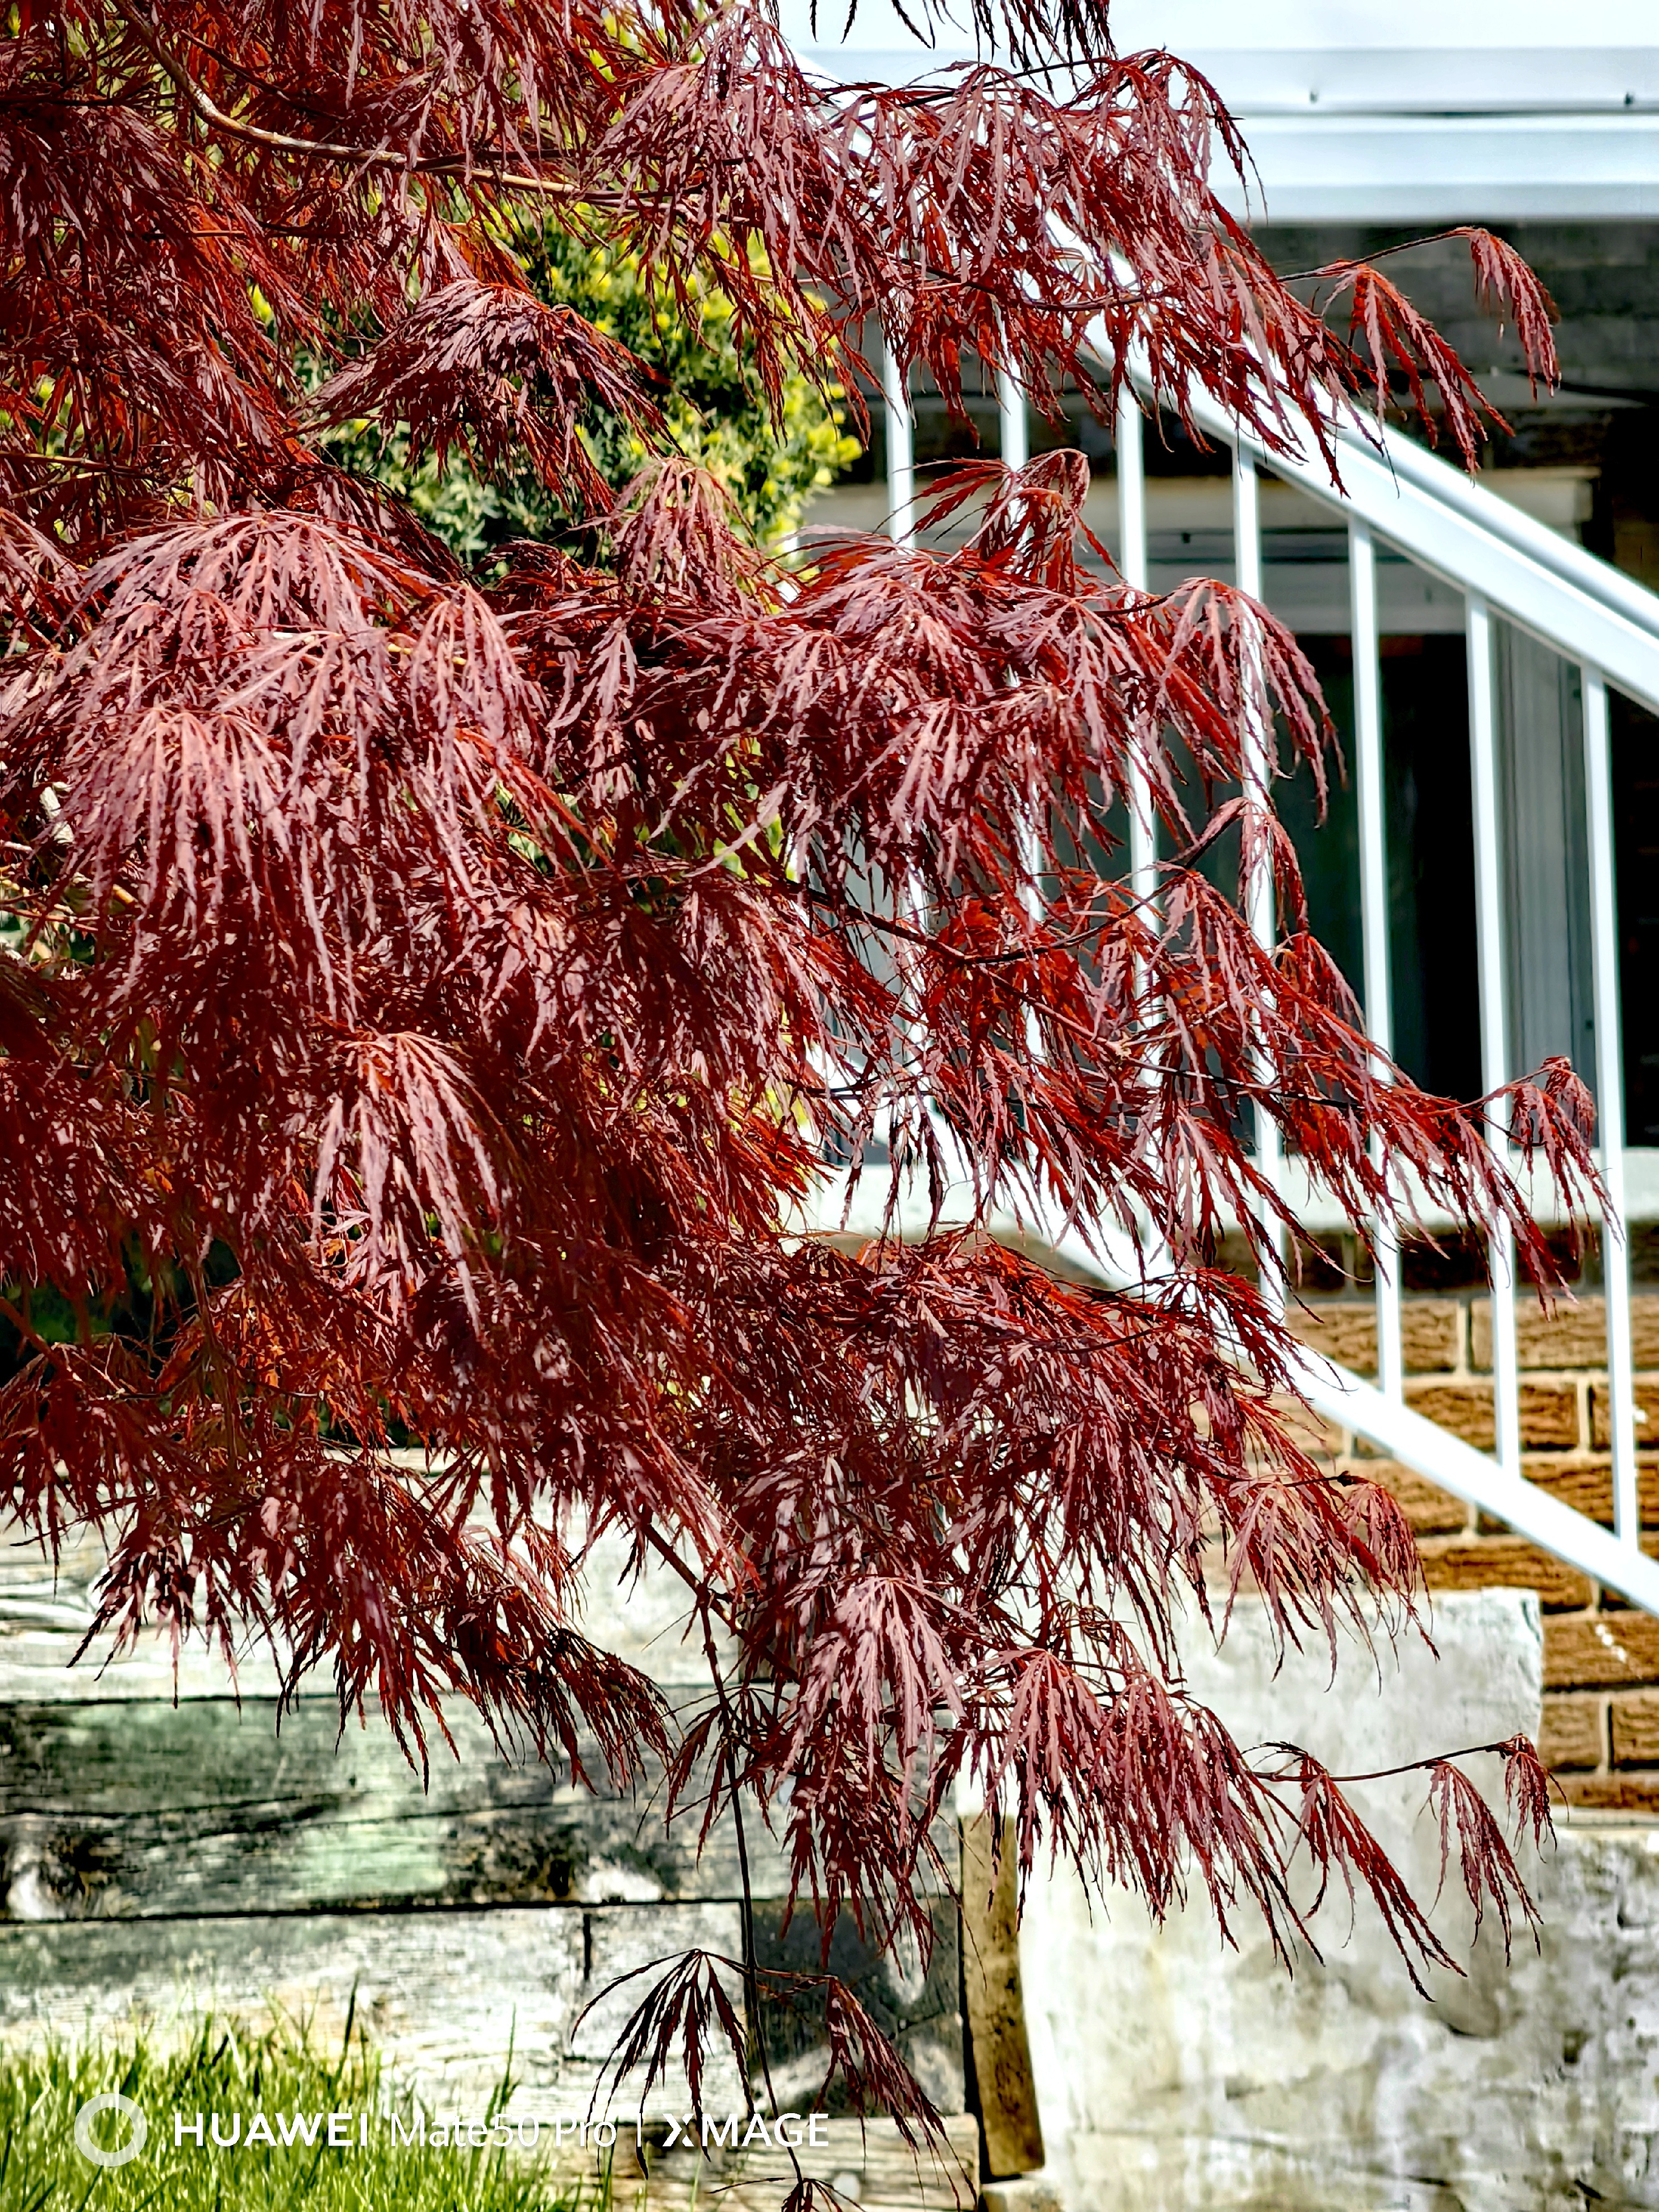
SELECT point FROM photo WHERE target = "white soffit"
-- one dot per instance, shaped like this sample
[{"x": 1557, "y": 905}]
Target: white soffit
[
  {"x": 1416, "y": 114},
  {"x": 1448, "y": 168}
]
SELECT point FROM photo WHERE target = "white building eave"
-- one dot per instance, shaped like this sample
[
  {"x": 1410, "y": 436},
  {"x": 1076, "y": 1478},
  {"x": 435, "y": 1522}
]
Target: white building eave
[
  {"x": 1428, "y": 80},
  {"x": 1325, "y": 167},
  {"x": 1419, "y": 115}
]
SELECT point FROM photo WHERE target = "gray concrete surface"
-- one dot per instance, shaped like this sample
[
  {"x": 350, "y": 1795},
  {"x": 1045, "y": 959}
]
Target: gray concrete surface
[{"x": 1175, "y": 2073}]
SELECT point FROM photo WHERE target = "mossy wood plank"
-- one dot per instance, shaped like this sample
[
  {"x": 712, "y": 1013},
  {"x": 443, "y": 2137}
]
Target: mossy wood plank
[
  {"x": 144, "y": 1809},
  {"x": 139, "y": 1810}
]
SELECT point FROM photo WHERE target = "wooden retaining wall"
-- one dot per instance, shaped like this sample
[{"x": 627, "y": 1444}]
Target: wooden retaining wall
[{"x": 166, "y": 1849}]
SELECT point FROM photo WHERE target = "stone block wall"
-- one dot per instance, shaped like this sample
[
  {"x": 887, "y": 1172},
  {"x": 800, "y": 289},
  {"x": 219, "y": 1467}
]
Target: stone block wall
[
  {"x": 1175, "y": 2073},
  {"x": 1600, "y": 1725}
]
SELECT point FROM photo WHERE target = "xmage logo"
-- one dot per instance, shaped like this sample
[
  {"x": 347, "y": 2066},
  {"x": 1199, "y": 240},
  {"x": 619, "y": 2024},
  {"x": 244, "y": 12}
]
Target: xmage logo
[{"x": 86, "y": 2144}]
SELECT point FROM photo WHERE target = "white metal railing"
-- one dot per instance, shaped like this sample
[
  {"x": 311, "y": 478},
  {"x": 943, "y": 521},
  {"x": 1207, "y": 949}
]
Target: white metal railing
[{"x": 1502, "y": 562}]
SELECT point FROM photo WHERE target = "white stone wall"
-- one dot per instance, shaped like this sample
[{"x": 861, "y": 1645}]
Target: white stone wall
[{"x": 1175, "y": 2073}]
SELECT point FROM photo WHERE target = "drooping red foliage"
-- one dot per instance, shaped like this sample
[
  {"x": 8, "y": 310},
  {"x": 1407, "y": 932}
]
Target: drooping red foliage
[{"x": 436, "y": 997}]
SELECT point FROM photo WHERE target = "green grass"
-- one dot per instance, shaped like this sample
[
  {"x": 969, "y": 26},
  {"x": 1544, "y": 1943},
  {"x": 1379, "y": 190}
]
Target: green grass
[{"x": 229, "y": 2071}]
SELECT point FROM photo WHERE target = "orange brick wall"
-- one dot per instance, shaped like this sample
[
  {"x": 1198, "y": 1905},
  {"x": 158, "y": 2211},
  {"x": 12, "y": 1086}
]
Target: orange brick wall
[{"x": 1600, "y": 1727}]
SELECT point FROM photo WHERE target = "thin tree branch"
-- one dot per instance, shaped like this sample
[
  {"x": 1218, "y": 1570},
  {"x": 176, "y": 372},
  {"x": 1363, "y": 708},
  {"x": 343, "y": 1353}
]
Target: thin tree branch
[{"x": 366, "y": 157}]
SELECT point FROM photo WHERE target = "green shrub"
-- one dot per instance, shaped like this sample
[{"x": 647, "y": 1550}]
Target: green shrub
[{"x": 715, "y": 416}]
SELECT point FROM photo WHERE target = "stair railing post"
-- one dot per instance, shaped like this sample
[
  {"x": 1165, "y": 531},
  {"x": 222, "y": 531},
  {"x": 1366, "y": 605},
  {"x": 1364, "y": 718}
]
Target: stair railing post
[
  {"x": 1372, "y": 794},
  {"x": 1133, "y": 563},
  {"x": 1011, "y": 408},
  {"x": 1610, "y": 1103},
  {"x": 901, "y": 450},
  {"x": 1260, "y": 906},
  {"x": 1494, "y": 1022}
]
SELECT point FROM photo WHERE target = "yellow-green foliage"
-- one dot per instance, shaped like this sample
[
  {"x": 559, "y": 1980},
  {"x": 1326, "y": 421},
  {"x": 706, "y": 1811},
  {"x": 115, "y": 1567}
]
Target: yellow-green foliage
[{"x": 714, "y": 413}]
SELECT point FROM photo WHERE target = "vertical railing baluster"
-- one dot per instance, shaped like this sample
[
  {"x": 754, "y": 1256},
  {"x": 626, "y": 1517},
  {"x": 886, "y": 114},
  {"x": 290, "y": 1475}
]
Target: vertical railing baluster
[
  {"x": 1010, "y": 406},
  {"x": 1246, "y": 523},
  {"x": 1494, "y": 1025},
  {"x": 900, "y": 450},
  {"x": 1129, "y": 440},
  {"x": 1131, "y": 561},
  {"x": 1373, "y": 904},
  {"x": 1610, "y": 1103},
  {"x": 1260, "y": 905},
  {"x": 1016, "y": 451},
  {"x": 909, "y": 894}
]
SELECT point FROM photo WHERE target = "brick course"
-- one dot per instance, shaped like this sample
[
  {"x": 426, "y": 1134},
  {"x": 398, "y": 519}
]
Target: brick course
[
  {"x": 1505, "y": 1563},
  {"x": 1594, "y": 1650},
  {"x": 1574, "y": 1733},
  {"x": 1429, "y": 1510},
  {"x": 1601, "y": 1723},
  {"x": 1646, "y": 1394},
  {"x": 1636, "y": 1731}
]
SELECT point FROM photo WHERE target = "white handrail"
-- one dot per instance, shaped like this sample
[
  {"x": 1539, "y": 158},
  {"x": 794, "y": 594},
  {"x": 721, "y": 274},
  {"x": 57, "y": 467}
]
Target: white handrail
[
  {"x": 1348, "y": 1402},
  {"x": 1343, "y": 1399},
  {"x": 1502, "y": 561},
  {"x": 1451, "y": 524},
  {"x": 1452, "y": 1465}
]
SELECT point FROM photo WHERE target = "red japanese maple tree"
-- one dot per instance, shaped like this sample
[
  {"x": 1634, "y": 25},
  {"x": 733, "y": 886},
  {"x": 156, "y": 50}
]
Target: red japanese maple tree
[{"x": 431, "y": 998}]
